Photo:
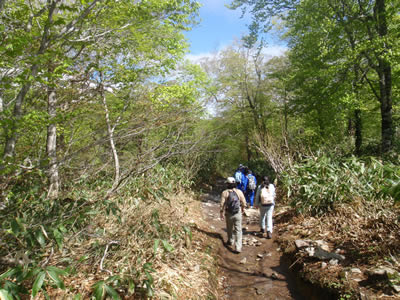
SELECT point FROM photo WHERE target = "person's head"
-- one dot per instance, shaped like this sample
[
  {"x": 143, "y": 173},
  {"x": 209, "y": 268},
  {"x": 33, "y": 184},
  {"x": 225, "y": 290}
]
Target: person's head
[
  {"x": 250, "y": 172},
  {"x": 230, "y": 182},
  {"x": 265, "y": 181}
]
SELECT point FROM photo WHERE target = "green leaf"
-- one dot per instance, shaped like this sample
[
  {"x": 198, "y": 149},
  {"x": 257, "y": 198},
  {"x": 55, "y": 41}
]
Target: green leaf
[
  {"x": 167, "y": 246},
  {"x": 188, "y": 231},
  {"x": 77, "y": 297},
  {"x": 15, "y": 227},
  {"x": 131, "y": 287},
  {"x": 111, "y": 292},
  {"x": 4, "y": 295},
  {"x": 8, "y": 273},
  {"x": 99, "y": 290},
  {"x": 40, "y": 237},
  {"x": 37, "y": 285},
  {"x": 56, "y": 270},
  {"x": 54, "y": 277},
  {"x": 156, "y": 244},
  {"x": 58, "y": 236}
]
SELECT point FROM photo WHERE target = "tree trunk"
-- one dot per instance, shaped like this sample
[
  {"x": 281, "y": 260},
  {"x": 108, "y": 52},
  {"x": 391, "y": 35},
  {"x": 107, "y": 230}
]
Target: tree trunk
[
  {"x": 384, "y": 71},
  {"x": 52, "y": 145},
  {"x": 9, "y": 148},
  {"x": 358, "y": 131},
  {"x": 2, "y": 4},
  {"x": 249, "y": 156},
  {"x": 110, "y": 131},
  {"x": 1, "y": 103}
]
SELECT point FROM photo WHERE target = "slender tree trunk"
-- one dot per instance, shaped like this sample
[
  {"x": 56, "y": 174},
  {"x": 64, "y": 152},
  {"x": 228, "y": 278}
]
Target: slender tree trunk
[
  {"x": 2, "y": 4},
  {"x": 285, "y": 113},
  {"x": 9, "y": 148},
  {"x": 358, "y": 131},
  {"x": 1, "y": 103},
  {"x": 386, "y": 108},
  {"x": 384, "y": 71},
  {"x": 249, "y": 156},
  {"x": 52, "y": 145},
  {"x": 110, "y": 131}
]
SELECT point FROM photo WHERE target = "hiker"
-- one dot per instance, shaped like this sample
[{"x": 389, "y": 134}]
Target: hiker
[
  {"x": 244, "y": 181},
  {"x": 231, "y": 209},
  {"x": 265, "y": 199},
  {"x": 251, "y": 188},
  {"x": 238, "y": 175}
]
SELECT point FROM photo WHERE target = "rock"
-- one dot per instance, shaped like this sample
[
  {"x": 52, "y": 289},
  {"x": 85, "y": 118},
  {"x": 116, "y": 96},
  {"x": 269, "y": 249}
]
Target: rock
[
  {"x": 325, "y": 255},
  {"x": 324, "y": 245},
  {"x": 243, "y": 261},
  {"x": 396, "y": 288},
  {"x": 259, "y": 255},
  {"x": 355, "y": 270},
  {"x": 195, "y": 268},
  {"x": 300, "y": 244},
  {"x": 310, "y": 251},
  {"x": 274, "y": 275},
  {"x": 323, "y": 265},
  {"x": 333, "y": 262},
  {"x": 382, "y": 272}
]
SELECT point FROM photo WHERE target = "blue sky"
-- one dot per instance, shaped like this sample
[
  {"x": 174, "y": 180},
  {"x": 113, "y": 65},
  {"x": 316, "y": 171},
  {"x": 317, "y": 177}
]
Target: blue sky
[{"x": 218, "y": 28}]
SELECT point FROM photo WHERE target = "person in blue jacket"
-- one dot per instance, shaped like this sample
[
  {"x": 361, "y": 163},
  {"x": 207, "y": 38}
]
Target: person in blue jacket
[
  {"x": 251, "y": 188},
  {"x": 238, "y": 176},
  {"x": 243, "y": 184}
]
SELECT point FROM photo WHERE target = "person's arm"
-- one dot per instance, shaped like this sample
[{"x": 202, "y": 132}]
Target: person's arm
[
  {"x": 222, "y": 204},
  {"x": 272, "y": 187},
  {"x": 257, "y": 197},
  {"x": 242, "y": 199}
]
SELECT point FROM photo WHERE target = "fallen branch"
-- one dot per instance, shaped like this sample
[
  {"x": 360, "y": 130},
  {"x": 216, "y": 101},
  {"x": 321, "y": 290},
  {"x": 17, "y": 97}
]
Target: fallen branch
[{"x": 105, "y": 254}]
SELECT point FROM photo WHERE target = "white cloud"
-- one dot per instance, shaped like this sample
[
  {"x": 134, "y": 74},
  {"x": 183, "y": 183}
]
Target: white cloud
[
  {"x": 197, "y": 57},
  {"x": 273, "y": 50}
]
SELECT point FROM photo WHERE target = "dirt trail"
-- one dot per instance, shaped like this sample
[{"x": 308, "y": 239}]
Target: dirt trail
[{"x": 259, "y": 271}]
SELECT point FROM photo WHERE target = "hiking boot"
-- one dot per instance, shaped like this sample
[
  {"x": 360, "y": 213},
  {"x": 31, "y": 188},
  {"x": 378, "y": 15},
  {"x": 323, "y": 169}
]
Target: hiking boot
[
  {"x": 262, "y": 230},
  {"x": 269, "y": 235}
]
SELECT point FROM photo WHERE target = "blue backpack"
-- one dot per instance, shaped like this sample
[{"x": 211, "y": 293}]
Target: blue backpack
[{"x": 238, "y": 177}]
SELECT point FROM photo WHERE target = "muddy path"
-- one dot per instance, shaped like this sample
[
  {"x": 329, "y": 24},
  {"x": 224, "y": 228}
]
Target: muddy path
[{"x": 259, "y": 271}]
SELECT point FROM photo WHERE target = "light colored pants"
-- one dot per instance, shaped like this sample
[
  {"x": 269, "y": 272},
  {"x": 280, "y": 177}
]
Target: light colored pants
[
  {"x": 266, "y": 213},
  {"x": 234, "y": 229}
]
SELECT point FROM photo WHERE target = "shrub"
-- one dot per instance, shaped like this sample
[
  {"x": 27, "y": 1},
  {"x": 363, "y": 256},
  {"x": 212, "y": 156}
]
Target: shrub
[{"x": 317, "y": 184}]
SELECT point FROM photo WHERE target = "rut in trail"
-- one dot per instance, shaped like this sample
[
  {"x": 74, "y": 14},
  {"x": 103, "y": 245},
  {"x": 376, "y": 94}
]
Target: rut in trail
[{"x": 259, "y": 271}]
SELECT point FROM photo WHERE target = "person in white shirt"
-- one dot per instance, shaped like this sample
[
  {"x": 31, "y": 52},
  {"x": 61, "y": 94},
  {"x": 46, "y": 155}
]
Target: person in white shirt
[{"x": 265, "y": 200}]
